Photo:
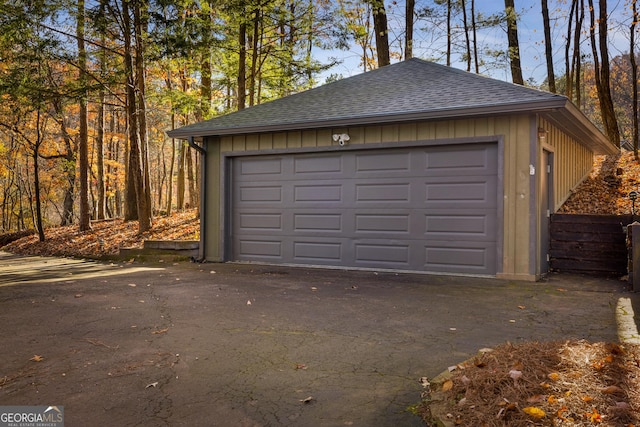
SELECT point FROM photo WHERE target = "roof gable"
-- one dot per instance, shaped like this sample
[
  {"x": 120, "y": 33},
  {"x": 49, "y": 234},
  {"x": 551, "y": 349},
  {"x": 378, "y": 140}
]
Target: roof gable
[{"x": 410, "y": 90}]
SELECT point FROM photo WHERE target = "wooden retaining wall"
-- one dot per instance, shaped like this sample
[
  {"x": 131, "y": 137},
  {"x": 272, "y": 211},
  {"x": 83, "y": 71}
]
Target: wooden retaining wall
[{"x": 594, "y": 244}]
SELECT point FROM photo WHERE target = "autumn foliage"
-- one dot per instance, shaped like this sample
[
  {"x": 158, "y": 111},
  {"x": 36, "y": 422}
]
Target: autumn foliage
[{"x": 107, "y": 237}]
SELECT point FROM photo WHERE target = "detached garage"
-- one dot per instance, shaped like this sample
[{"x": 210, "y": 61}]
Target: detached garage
[{"x": 414, "y": 166}]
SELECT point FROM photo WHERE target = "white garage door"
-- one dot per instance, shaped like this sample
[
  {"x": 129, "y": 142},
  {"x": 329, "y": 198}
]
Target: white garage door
[{"x": 415, "y": 208}]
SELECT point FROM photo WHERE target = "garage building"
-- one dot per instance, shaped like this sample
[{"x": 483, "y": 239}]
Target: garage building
[{"x": 414, "y": 166}]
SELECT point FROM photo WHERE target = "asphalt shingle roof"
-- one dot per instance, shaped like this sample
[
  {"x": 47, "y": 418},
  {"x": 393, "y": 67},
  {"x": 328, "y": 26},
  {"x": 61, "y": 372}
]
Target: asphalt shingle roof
[{"x": 410, "y": 90}]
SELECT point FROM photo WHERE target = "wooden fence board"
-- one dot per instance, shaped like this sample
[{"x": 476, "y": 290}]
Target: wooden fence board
[{"x": 589, "y": 243}]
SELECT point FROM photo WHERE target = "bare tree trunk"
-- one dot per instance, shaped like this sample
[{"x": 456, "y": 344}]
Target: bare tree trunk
[
  {"x": 408, "y": 41},
  {"x": 382, "y": 32},
  {"x": 242, "y": 64},
  {"x": 568, "y": 62},
  {"x": 254, "y": 55},
  {"x": 140, "y": 29},
  {"x": 36, "y": 181},
  {"x": 135, "y": 196},
  {"x": 577, "y": 53},
  {"x": 475, "y": 36},
  {"x": 83, "y": 137},
  {"x": 601, "y": 70},
  {"x": 466, "y": 33},
  {"x": 548, "y": 49},
  {"x": 634, "y": 75},
  {"x": 514, "y": 47},
  {"x": 448, "y": 33}
]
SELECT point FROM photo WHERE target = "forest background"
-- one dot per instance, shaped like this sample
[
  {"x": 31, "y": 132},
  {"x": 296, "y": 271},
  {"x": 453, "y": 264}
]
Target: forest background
[{"x": 89, "y": 88}]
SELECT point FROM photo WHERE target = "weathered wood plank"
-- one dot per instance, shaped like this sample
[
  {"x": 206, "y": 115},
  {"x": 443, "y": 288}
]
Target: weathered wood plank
[{"x": 589, "y": 243}]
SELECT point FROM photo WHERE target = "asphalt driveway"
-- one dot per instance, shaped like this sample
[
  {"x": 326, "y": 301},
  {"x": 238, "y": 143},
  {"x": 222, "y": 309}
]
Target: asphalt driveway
[{"x": 246, "y": 345}]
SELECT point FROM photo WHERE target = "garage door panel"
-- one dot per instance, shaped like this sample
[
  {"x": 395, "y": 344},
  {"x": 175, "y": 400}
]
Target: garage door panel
[
  {"x": 256, "y": 167},
  {"x": 326, "y": 164},
  {"x": 260, "y": 194},
  {"x": 446, "y": 256},
  {"x": 318, "y": 252},
  {"x": 262, "y": 221},
  {"x": 460, "y": 192},
  {"x": 382, "y": 254},
  {"x": 381, "y": 223},
  {"x": 380, "y": 161},
  {"x": 463, "y": 160},
  {"x": 383, "y": 192},
  {"x": 314, "y": 222},
  {"x": 412, "y": 208},
  {"x": 318, "y": 193},
  {"x": 460, "y": 227},
  {"x": 256, "y": 249}
]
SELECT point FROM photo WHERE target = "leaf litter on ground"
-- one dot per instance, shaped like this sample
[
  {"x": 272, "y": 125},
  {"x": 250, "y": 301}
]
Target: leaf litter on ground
[{"x": 573, "y": 383}]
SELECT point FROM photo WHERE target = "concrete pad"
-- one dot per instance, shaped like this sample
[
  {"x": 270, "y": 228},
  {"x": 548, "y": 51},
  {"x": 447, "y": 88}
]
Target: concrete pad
[{"x": 248, "y": 345}]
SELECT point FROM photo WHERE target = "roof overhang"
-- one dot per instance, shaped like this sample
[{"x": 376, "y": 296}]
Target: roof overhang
[
  {"x": 433, "y": 114},
  {"x": 559, "y": 111},
  {"x": 573, "y": 122}
]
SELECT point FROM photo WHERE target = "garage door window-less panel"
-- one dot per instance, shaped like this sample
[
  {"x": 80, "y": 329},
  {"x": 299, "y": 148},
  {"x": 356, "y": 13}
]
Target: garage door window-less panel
[{"x": 424, "y": 208}]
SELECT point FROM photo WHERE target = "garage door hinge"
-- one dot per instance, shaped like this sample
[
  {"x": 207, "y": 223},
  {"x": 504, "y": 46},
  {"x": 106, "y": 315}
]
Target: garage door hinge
[{"x": 548, "y": 258}]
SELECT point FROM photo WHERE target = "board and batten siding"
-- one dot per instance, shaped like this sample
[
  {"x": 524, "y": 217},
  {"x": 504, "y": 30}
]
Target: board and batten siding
[
  {"x": 514, "y": 131},
  {"x": 572, "y": 162}
]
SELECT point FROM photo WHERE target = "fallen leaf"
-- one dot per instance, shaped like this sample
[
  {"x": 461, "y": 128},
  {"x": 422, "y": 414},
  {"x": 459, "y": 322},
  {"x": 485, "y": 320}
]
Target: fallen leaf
[
  {"x": 594, "y": 416},
  {"x": 307, "y": 400},
  {"x": 301, "y": 366},
  {"x": 612, "y": 389},
  {"x": 534, "y": 412},
  {"x": 537, "y": 398},
  {"x": 154, "y": 384},
  {"x": 521, "y": 307},
  {"x": 614, "y": 348},
  {"x": 587, "y": 398},
  {"x": 160, "y": 331},
  {"x": 515, "y": 374},
  {"x": 447, "y": 385},
  {"x": 552, "y": 399},
  {"x": 37, "y": 358},
  {"x": 554, "y": 376}
]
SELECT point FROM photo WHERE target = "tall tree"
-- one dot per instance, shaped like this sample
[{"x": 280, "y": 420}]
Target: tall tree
[
  {"x": 548, "y": 48},
  {"x": 449, "y": 7},
  {"x": 410, "y": 9},
  {"x": 381, "y": 29},
  {"x": 602, "y": 71},
  {"x": 136, "y": 200},
  {"x": 474, "y": 31},
  {"x": 467, "y": 37},
  {"x": 514, "y": 46},
  {"x": 634, "y": 75},
  {"x": 83, "y": 135}
]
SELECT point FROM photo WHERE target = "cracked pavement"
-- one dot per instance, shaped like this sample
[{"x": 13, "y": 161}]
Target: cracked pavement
[{"x": 252, "y": 345}]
